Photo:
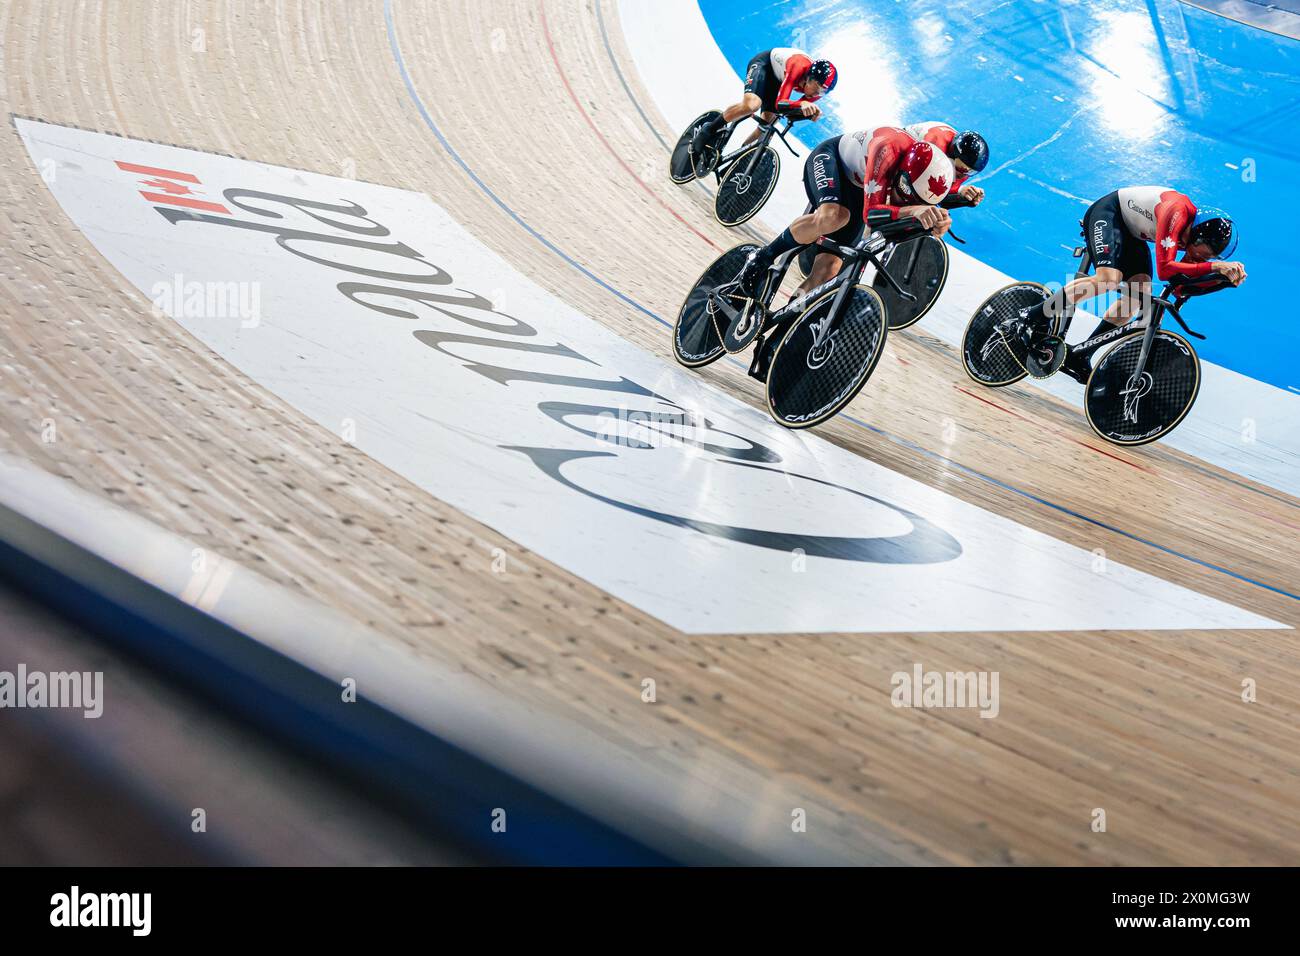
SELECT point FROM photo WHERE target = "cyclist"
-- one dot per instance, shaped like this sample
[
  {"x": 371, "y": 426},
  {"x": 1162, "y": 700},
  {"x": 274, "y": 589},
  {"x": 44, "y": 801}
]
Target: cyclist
[
  {"x": 1117, "y": 228},
  {"x": 771, "y": 79},
  {"x": 969, "y": 152},
  {"x": 849, "y": 176}
]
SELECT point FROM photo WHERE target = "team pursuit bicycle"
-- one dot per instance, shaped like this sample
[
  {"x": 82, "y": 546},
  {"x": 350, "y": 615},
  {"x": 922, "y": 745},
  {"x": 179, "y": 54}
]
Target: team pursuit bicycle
[
  {"x": 816, "y": 352},
  {"x": 1138, "y": 392},
  {"x": 746, "y": 176},
  {"x": 919, "y": 265}
]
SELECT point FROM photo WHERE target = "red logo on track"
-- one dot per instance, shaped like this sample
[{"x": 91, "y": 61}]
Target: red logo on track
[{"x": 167, "y": 188}]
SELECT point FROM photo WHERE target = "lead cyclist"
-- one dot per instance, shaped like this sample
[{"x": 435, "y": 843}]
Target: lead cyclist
[{"x": 1117, "y": 228}]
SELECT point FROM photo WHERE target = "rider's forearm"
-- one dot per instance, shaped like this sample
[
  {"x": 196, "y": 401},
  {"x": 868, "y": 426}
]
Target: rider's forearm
[{"x": 1172, "y": 267}]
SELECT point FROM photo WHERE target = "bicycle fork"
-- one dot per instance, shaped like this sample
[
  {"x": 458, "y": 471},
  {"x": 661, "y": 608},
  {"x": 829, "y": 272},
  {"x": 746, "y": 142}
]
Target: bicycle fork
[
  {"x": 825, "y": 329},
  {"x": 741, "y": 177},
  {"x": 1139, "y": 383}
]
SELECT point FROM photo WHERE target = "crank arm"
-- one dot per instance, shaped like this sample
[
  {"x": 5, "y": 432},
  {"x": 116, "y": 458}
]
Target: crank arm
[{"x": 718, "y": 304}]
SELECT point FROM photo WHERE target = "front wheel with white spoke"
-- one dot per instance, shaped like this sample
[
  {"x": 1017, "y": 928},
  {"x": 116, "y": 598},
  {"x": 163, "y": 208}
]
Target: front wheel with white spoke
[
  {"x": 920, "y": 267},
  {"x": 821, "y": 365},
  {"x": 746, "y": 187},
  {"x": 1128, "y": 406}
]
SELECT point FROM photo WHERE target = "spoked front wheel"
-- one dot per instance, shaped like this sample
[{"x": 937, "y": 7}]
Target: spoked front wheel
[
  {"x": 991, "y": 349},
  {"x": 1127, "y": 408},
  {"x": 920, "y": 267},
  {"x": 696, "y": 340},
  {"x": 748, "y": 184},
  {"x": 814, "y": 375},
  {"x": 681, "y": 168}
]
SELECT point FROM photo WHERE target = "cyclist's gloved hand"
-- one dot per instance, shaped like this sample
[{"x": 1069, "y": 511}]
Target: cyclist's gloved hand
[{"x": 1233, "y": 272}]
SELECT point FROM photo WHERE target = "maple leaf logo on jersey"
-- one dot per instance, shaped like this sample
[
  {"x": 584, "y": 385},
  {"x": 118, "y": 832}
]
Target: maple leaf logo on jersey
[
  {"x": 1168, "y": 242},
  {"x": 938, "y": 185},
  {"x": 873, "y": 187}
]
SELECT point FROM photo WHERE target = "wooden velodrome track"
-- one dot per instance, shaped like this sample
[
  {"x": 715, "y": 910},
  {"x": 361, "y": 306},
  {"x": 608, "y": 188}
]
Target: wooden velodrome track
[{"x": 1148, "y": 725}]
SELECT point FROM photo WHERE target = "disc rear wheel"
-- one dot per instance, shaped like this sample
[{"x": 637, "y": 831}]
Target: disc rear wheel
[
  {"x": 991, "y": 347},
  {"x": 696, "y": 340},
  {"x": 681, "y": 167}
]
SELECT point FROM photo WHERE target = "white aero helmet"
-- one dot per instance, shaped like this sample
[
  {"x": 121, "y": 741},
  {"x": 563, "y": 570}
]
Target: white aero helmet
[{"x": 925, "y": 174}]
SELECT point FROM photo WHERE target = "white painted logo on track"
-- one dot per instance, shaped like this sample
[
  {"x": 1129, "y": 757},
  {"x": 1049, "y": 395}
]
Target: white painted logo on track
[{"x": 454, "y": 370}]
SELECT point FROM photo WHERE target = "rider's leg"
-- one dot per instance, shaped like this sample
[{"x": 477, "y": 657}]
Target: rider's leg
[
  {"x": 1078, "y": 290},
  {"x": 824, "y": 220},
  {"x": 825, "y": 267},
  {"x": 1135, "y": 297},
  {"x": 748, "y": 106},
  {"x": 827, "y": 218},
  {"x": 766, "y": 118},
  {"x": 829, "y": 193},
  {"x": 1113, "y": 250},
  {"x": 1132, "y": 259}
]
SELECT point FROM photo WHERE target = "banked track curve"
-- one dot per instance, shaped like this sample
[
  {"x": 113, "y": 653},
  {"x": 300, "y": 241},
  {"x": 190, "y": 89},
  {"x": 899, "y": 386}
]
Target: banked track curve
[{"x": 1149, "y": 723}]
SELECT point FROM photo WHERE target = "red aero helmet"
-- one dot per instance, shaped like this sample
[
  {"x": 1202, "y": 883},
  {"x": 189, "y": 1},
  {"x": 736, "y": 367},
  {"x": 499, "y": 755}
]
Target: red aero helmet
[{"x": 926, "y": 174}]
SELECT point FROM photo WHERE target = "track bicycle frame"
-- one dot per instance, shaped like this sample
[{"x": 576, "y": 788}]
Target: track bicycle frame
[
  {"x": 756, "y": 147},
  {"x": 1157, "y": 306},
  {"x": 856, "y": 259}
]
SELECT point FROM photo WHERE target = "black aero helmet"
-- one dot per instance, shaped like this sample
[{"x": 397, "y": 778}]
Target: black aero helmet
[
  {"x": 823, "y": 71},
  {"x": 1214, "y": 228},
  {"x": 971, "y": 149}
]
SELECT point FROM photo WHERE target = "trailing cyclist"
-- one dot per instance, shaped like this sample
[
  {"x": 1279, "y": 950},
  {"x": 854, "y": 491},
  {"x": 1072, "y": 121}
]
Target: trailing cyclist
[{"x": 771, "y": 80}]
